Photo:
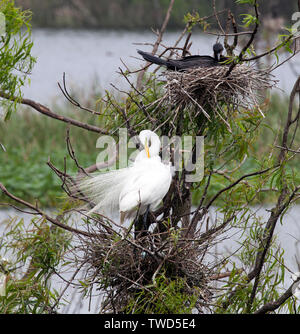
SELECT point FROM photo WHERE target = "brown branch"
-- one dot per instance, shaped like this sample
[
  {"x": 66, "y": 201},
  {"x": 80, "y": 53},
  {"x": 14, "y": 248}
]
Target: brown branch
[
  {"x": 47, "y": 112},
  {"x": 289, "y": 122},
  {"x": 224, "y": 275},
  {"x": 41, "y": 213},
  {"x": 240, "y": 56},
  {"x": 266, "y": 242},
  {"x": 216, "y": 16},
  {"x": 237, "y": 182},
  {"x": 230, "y": 48},
  {"x": 75, "y": 103},
  {"x": 272, "y": 306},
  {"x": 158, "y": 41},
  {"x": 267, "y": 52},
  {"x": 186, "y": 44},
  {"x": 282, "y": 203},
  {"x": 229, "y": 34}
]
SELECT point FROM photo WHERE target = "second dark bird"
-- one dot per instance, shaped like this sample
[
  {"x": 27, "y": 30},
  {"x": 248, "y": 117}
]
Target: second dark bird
[{"x": 189, "y": 61}]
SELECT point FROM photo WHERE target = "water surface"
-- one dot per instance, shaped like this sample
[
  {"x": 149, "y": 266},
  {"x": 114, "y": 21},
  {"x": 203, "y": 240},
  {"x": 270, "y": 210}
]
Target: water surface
[{"x": 86, "y": 55}]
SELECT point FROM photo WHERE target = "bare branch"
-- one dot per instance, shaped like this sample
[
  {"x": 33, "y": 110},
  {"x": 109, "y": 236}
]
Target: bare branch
[
  {"x": 67, "y": 95},
  {"x": 251, "y": 39},
  {"x": 41, "y": 213},
  {"x": 47, "y": 112},
  {"x": 158, "y": 41},
  {"x": 272, "y": 306}
]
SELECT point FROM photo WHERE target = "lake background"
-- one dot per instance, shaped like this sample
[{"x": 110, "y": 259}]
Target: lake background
[{"x": 87, "y": 56}]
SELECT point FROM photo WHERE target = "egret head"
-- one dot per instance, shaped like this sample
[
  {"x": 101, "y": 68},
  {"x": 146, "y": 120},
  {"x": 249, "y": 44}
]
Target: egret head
[{"x": 151, "y": 142}]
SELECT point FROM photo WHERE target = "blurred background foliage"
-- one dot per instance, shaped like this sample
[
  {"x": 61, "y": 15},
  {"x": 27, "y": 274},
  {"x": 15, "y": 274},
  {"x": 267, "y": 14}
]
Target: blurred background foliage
[{"x": 135, "y": 14}]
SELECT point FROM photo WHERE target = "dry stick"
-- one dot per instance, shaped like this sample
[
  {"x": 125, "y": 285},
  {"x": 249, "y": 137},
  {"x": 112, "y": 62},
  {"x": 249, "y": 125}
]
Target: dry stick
[
  {"x": 47, "y": 112},
  {"x": 275, "y": 213},
  {"x": 91, "y": 168},
  {"x": 131, "y": 84},
  {"x": 186, "y": 45},
  {"x": 237, "y": 182},
  {"x": 43, "y": 214},
  {"x": 72, "y": 153},
  {"x": 265, "y": 245},
  {"x": 158, "y": 41},
  {"x": 288, "y": 149},
  {"x": 272, "y": 306},
  {"x": 223, "y": 275},
  {"x": 289, "y": 121},
  {"x": 230, "y": 48},
  {"x": 71, "y": 99},
  {"x": 280, "y": 206},
  {"x": 234, "y": 34},
  {"x": 240, "y": 56},
  {"x": 216, "y": 16}
]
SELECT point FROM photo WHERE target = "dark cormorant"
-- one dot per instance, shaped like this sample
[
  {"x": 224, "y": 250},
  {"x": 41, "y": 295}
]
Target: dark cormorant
[{"x": 189, "y": 61}]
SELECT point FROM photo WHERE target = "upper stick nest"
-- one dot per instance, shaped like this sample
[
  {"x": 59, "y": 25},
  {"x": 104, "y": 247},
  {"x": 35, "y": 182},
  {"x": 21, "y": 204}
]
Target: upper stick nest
[{"x": 210, "y": 88}]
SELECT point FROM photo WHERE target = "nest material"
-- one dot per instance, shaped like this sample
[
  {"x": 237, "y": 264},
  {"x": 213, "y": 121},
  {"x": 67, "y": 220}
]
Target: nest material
[
  {"x": 123, "y": 267},
  {"x": 210, "y": 89}
]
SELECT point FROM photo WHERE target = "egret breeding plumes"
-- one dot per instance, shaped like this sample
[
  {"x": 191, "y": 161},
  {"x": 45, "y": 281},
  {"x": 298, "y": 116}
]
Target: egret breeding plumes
[{"x": 132, "y": 190}]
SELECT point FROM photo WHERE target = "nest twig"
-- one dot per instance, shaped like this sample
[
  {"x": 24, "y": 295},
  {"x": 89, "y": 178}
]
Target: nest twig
[
  {"x": 122, "y": 267},
  {"x": 209, "y": 89}
]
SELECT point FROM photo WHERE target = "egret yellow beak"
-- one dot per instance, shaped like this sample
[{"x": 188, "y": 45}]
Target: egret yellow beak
[{"x": 147, "y": 149}]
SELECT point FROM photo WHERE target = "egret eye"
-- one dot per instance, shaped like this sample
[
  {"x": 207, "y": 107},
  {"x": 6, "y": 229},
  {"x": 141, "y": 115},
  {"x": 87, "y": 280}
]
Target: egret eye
[{"x": 149, "y": 142}]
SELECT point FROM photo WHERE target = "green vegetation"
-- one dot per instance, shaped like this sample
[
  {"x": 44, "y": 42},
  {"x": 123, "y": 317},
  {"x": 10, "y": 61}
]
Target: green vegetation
[
  {"x": 30, "y": 139},
  {"x": 134, "y": 14},
  {"x": 37, "y": 248},
  {"x": 164, "y": 296},
  {"x": 15, "y": 59},
  {"x": 165, "y": 266}
]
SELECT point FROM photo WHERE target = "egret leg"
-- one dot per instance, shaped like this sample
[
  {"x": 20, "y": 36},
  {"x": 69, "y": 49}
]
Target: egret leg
[{"x": 145, "y": 225}]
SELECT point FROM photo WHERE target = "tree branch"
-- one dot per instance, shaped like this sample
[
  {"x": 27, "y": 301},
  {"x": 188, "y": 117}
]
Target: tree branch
[
  {"x": 43, "y": 214},
  {"x": 47, "y": 112},
  {"x": 158, "y": 41},
  {"x": 240, "y": 56},
  {"x": 272, "y": 306}
]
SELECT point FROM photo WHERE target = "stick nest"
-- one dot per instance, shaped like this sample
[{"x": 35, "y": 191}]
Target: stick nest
[
  {"x": 210, "y": 88},
  {"x": 124, "y": 267}
]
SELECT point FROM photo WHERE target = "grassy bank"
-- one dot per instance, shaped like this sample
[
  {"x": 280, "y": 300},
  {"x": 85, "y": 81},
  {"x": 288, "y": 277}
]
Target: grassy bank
[{"x": 30, "y": 139}]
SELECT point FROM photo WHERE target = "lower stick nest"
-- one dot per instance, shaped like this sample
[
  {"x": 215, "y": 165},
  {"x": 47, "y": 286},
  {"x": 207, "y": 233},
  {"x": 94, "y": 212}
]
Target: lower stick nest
[
  {"x": 124, "y": 267},
  {"x": 210, "y": 89}
]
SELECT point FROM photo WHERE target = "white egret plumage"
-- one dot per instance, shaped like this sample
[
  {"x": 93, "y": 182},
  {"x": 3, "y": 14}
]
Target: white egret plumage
[{"x": 131, "y": 190}]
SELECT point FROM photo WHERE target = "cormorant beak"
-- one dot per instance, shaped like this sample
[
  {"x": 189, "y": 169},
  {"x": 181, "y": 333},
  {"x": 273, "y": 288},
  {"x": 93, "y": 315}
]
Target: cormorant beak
[
  {"x": 218, "y": 55},
  {"x": 147, "y": 149}
]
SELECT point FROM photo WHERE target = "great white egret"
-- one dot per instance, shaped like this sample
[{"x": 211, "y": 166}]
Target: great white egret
[
  {"x": 189, "y": 61},
  {"x": 132, "y": 190}
]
